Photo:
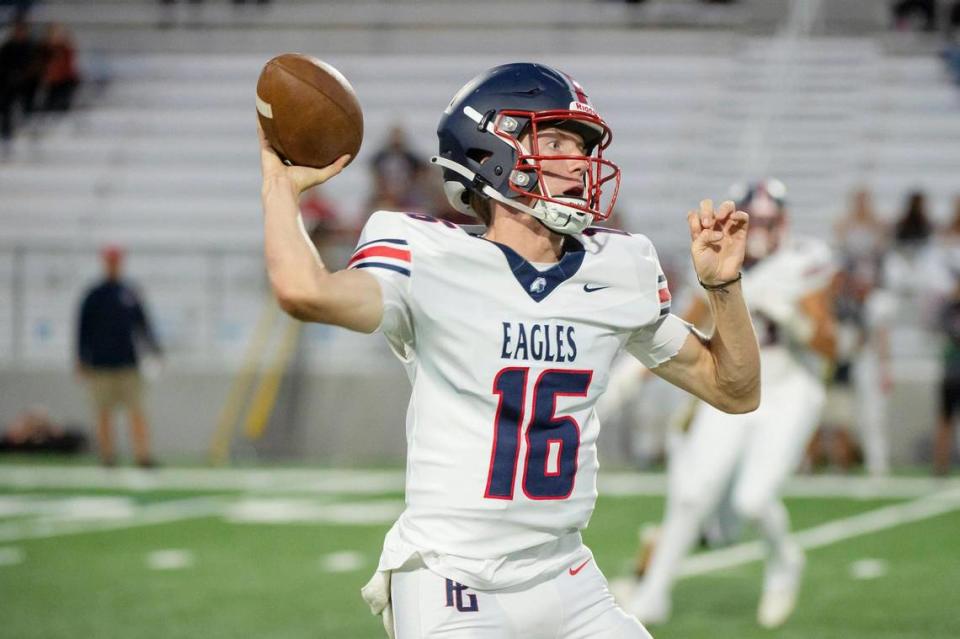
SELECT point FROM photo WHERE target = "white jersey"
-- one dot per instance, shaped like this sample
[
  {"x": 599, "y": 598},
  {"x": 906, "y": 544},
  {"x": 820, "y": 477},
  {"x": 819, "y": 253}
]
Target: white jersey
[
  {"x": 773, "y": 287},
  {"x": 506, "y": 362}
]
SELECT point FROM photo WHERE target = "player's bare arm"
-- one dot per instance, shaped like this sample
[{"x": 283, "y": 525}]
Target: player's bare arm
[
  {"x": 723, "y": 370},
  {"x": 698, "y": 314},
  {"x": 302, "y": 284}
]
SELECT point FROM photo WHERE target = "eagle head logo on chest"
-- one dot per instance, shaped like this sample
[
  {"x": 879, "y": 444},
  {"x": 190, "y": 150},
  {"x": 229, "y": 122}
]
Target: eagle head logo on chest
[{"x": 538, "y": 285}]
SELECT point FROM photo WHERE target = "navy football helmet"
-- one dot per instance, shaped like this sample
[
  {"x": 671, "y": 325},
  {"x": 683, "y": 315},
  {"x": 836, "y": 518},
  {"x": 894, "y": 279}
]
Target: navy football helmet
[
  {"x": 766, "y": 203},
  {"x": 481, "y": 150}
]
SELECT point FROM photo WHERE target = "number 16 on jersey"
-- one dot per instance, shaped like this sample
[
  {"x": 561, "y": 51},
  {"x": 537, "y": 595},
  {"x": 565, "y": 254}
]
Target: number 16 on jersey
[{"x": 552, "y": 441}]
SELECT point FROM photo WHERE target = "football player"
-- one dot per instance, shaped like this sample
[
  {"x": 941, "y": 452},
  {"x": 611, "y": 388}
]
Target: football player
[
  {"x": 730, "y": 468},
  {"x": 507, "y": 335}
]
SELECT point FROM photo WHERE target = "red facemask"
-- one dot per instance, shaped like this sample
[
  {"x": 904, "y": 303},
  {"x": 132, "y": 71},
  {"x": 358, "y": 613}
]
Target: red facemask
[{"x": 601, "y": 177}]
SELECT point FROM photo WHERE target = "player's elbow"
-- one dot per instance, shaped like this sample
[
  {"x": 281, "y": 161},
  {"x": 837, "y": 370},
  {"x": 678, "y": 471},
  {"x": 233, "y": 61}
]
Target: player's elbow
[
  {"x": 737, "y": 405},
  {"x": 739, "y": 399},
  {"x": 747, "y": 403},
  {"x": 298, "y": 303}
]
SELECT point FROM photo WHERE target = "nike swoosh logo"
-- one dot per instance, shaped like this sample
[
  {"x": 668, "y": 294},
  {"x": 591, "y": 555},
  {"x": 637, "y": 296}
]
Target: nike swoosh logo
[
  {"x": 590, "y": 289},
  {"x": 574, "y": 571}
]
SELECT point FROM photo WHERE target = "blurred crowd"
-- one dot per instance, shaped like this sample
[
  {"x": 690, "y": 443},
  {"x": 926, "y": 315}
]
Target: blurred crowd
[
  {"x": 38, "y": 75},
  {"x": 932, "y": 16},
  {"x": 896, "y": 285}
]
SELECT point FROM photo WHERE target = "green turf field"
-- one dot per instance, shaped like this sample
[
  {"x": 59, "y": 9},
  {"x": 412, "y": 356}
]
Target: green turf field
[{"x": 95, "y": 556}]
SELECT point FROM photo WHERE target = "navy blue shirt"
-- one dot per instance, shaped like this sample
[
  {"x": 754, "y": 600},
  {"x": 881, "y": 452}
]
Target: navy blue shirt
[{"x": 112, "y": 320}]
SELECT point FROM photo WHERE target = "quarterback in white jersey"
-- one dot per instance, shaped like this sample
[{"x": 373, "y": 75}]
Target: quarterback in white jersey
[
  {"x": 507, "y": 336},
  {"x": 509, "y": 359},
  {"x": 733, "y": 466}
]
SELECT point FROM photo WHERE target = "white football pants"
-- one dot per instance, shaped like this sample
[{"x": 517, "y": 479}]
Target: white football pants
[{"x": 573, "y": 605}]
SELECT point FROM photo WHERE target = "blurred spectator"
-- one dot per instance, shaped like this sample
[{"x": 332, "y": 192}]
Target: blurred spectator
[
  {"x": 914, "y": 268},
  {"x": 60, "y": 76},
  {"x": 14, "y": 10},
  {"x": 112, "y": 323},
  {"x": 871, "y": 371},
  {"x": 862, "y": 378},
  {"x": 21, "y": 68},
  {"x": 914, "y": 228},
  {"x": 948, "y": 243},
  {"x": 397, "y": 175},
  {"x": 953, "y": 20},
  {"x": 32, "y": 431},
  {"x": 862, "y": 236},
  {"x": 909, "y": 15},
  {"x": 952, "y": 56},
  {"x": 944, "y": 444}
]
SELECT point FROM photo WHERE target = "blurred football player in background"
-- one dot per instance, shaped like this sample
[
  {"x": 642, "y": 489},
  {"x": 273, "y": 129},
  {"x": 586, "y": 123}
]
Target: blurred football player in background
[
  {"x": 507, "y": 334},
  {"x": 726, "y": 469}
]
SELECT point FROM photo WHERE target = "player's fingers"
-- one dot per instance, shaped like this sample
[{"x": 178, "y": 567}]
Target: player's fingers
[
  {"x": 710, "y": 236},
  {"x": 305, "y": 176},
  {"x": 342, "y": 161},
  {"x": 726, "y": 208},
  {"x": 263, "y": 137},
  {"x": 693, "y": 221},
  {"x": 737, "y": 221},
  {"x": 268, "y": 156},
  {"x": 333, "y": 169},
  {"x": 706, "y": 213}
]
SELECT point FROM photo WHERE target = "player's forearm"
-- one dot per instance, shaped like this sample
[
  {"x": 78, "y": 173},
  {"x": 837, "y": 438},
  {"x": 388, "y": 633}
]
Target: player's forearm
[
  {"x": 734, "y": 349},
  {"x": 305, "y": 289},
  {"x": 293, "y": 264}
]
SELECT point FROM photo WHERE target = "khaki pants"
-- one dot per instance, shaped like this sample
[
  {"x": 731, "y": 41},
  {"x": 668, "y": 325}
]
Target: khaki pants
[{"x": 111, "y": 388}]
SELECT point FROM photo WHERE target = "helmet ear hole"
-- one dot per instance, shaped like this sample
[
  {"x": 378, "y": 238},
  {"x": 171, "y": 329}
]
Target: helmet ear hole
[{"x": 479, "y": 155}]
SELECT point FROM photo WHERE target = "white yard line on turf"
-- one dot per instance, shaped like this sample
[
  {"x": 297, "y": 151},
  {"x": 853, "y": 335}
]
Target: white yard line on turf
[
  {"x": 370, "y": 482},
  {"x": 234, "y": 510},
  {"x": 274, "y": 480},
  {"x": 160, "y": 513},
  {"x": 831, "y": 532}
]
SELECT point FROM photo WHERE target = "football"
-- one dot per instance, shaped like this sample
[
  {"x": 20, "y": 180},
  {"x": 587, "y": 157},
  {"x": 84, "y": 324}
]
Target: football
[{"x": 308, "y": 110}]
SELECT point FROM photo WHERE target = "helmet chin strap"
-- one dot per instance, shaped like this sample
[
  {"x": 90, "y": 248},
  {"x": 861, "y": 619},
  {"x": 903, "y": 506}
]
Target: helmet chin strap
[
  {"x": 560, "y": 217},
  {"x": 556, "y": 216}
]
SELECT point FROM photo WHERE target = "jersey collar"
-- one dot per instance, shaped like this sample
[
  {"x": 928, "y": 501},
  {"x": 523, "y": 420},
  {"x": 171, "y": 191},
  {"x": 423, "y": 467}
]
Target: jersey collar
[{"x": 538, "y": 284}]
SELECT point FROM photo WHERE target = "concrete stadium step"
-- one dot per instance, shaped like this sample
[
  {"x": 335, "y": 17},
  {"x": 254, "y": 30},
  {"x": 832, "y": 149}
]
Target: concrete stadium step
[
  {"x": 413, "y": 68},
  {"x": 364, "y": 13}
]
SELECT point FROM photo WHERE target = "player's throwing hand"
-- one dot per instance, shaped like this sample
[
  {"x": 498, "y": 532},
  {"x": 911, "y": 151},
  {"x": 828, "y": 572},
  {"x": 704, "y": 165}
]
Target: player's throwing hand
[
  {"x": 300, "y": 177},
  {"x": 718, "y": 241}
]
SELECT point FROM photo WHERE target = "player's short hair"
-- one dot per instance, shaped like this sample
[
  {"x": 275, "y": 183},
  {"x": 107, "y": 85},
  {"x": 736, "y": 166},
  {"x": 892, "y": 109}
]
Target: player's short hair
[{"x": 481, "y": 205}]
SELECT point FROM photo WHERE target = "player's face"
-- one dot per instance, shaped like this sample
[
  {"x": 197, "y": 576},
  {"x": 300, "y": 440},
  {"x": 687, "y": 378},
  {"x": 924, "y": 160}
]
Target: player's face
[
  {"x": 565, "y": 176},
  {"x": 766, "y": 227}
]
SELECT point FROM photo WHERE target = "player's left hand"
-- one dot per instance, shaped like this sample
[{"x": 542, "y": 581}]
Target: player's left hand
[{"x": 718, "y": 241}]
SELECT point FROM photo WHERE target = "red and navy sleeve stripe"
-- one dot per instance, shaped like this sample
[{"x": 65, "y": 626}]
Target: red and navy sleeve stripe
[
  {"x": 389, "y": 254},
  {"x": 663, "y": 293}
]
